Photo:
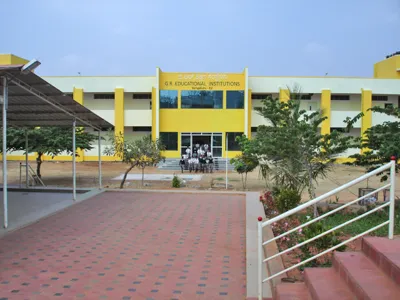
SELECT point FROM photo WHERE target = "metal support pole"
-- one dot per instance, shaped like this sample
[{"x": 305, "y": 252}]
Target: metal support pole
[
  {"x": 5, "y": 190},
  {"x": 226, "y": 162},
  {"x": 392, "y": 190},
  {"x": 260, "y": 259},
  {"x": 73, "y": 161},
  {"x": 26, "y": 159},
  {"x": 100, "y": 179}
]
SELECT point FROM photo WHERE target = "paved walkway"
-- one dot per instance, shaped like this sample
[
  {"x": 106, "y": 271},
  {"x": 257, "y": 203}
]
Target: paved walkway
[{"x": 131, "y": 246}]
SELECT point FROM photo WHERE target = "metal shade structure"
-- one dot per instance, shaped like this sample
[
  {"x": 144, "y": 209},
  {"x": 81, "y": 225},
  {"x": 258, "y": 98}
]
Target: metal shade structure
[
  {"x": 29, "y": 101},
  {"x": 32, "y": 101}
]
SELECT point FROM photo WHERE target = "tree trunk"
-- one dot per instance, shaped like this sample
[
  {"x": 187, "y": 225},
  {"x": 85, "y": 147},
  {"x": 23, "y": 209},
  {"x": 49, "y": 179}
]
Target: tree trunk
[
  {"x": 121, "y": 186},
  {"x": 311, "y": 189},
  {"x": 38, "y": 164},
  {"x": 245, "y": 181},
  {"x": 142, "y": 176}
]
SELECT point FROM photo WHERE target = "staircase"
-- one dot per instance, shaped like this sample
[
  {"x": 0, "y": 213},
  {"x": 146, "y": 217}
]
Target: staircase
[
  {"x": 373, "y": 273},
  {"x": 173, "y": 164}
]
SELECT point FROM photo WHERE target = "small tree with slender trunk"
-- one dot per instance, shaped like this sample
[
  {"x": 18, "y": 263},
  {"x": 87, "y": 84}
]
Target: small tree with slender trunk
[
  {"x": 50, "y": 141},
  {"x": 139, "y": 153}
]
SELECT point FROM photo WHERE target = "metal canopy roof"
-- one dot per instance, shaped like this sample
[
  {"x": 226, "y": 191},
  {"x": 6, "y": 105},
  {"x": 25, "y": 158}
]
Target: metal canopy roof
[{"x": 32, "y": 101}]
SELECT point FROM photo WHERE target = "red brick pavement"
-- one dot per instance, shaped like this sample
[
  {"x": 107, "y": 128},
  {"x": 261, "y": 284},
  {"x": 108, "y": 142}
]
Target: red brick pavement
[{"x": 131, "y": 246}]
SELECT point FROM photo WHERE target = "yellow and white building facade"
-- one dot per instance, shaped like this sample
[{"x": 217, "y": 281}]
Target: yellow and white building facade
[{"x": 213, "y": 108}]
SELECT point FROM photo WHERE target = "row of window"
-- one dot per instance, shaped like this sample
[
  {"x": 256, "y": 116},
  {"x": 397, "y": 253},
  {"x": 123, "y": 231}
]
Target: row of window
[
  {"x": 202, "y": 99},
  {"x": 213, "y": 99},
  {"x": 170, "y": 141}
]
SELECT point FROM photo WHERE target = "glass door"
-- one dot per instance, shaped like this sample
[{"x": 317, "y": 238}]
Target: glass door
[
  {"x": 216, "y": 144},
  {"x": 186, "y": 141}
]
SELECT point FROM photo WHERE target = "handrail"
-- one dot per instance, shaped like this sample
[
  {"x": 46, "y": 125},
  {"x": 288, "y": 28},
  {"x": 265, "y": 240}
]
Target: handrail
[
  {"x": 31, "y": 173},
  {"x": 326, "y": 214},
  {"x": 390, "y": 222},
  {"x": 326, "y": 195}
]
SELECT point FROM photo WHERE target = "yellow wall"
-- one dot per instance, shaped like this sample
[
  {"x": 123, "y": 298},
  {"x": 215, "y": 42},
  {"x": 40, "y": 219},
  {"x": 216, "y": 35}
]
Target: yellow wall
[
  {"x": 326, "y": 111},
  {"x": 388, "y": 68},
  {"x": 153, "y": 113},
  {"x": 249, "y": 109},
  {"x": 366, "y": 104},
  {"x": 10, "y": 59},
  {"x": 284, "y": 95},
  {"x": 201, "y": 120},
  {"x": 119, "y": 111},
  {"x": 78, "y": 97}
]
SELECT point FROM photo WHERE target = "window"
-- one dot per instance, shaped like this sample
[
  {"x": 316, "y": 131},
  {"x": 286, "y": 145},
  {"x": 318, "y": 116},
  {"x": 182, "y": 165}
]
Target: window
[
  {"x": 201, "y": 99},
  {"x": 141, "y": 128},
  {"x": 260, "y": 96},
  {"x": 168, "y": 99},
  {"x": 235, "y": 99},
  {"x": 379, "y": 98},
  {"x": 254, "y": 129},
  {"x": 306, "y": 97},
  {"x": 233, "y": 145},
  {"x": 340, "y": 97},
  {"x": 388, "y": 105},
  {"x": 104, "y": 96},
  {"x": 342, "y": 130},
  {"x": 170, "y": 140},
  {"x": 146, "y": 96}
]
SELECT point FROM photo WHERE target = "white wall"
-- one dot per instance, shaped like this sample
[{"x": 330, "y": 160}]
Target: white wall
[
  {"x": 102, "y": 84},
  {"x": 317, "y": 84},
  {"x": 102, "y": 107},
  {"x": 137, "y": 111},
  {"x": 378, "y": 118},
  {"x": 104, "y": 143},
  {"x": 341, "y": 109},
  {"x": 132, "y": 135}
]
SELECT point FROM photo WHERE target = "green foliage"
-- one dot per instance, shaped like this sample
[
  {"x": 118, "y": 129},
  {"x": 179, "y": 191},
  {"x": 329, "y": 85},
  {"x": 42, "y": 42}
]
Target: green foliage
[
  {"x": 139, "y": 153},
  {"x": 287, "y": 199},
  {"x": 291, "y": 151},
  {"x": 379, "y": 142},
  {"x": 245, "y": 162},
  {"x": 176, "y": 182},
  {"x": 50, "y": 141}
]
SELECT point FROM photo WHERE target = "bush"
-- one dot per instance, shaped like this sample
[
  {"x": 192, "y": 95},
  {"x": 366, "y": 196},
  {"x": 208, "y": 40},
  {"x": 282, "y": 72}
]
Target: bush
[
  {"x": 287, "y": 199},
  {"x": 176, "y": 182}
]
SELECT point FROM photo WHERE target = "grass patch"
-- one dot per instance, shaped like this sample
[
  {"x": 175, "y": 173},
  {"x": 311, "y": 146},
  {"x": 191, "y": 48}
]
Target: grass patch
[
  {"x": 219, "y": 178},
  {"x": 362, "y": 224}
]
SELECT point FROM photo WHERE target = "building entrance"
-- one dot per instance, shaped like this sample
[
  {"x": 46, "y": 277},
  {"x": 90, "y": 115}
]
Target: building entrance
[{"x": 201, "y": 140}]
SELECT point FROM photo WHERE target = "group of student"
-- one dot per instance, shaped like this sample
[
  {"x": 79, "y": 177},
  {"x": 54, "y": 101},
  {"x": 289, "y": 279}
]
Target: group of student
[{"x": 200, "y": 159}]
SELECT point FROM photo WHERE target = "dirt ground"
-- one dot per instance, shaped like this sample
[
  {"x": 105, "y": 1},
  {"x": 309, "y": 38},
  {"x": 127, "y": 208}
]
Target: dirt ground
[{"x": 60, "y": 174}]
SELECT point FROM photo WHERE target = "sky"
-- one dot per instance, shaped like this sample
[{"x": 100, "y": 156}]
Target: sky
[{"x": 270, "y": 37}]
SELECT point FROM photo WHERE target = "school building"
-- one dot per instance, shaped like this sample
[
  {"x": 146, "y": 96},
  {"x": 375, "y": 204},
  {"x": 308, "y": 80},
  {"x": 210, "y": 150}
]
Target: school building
[{"x": 184, "y": 109}]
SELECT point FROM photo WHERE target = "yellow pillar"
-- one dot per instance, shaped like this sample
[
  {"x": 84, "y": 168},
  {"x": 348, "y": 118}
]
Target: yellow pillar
[
  {"x": 284, "y": 95},
  {"x": 326, "y": 111},
  {"x": 249, "y": 108},
  {"x": 153, "y": 114},
  {"x": 78, "y": 97},
  {"x": 119, "y": 111},
  {"x": 366, "y": 104}
]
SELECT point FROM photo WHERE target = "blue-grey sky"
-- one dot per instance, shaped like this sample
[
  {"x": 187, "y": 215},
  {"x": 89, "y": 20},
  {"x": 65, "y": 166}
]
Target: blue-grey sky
[{"x": 270, "y": 37}]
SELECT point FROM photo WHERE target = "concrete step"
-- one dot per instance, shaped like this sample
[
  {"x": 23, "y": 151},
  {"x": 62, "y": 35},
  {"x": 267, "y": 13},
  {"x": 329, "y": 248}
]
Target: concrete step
[
  {"x": 365, "y": 279},
  {"x": 325, "y": 284},
  {"x": 385, "y": 254},
  {"x": 292, "y": 291},
  {"x": 173, "y": 164}
]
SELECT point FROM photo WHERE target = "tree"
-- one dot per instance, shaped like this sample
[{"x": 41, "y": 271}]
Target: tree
[
  {"x": 292, "y": 148},
  {"x": 245, "y": 162},
  {"x": 137, "y": 153},
  {"x": 379, "y": 143},
  {"x": 50, "y": 141}
]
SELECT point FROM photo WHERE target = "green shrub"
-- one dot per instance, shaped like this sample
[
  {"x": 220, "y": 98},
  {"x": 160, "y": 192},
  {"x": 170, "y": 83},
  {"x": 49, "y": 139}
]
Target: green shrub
[
  {"x": 287, "y": 199},
  {"x": 176, "y": 182}
]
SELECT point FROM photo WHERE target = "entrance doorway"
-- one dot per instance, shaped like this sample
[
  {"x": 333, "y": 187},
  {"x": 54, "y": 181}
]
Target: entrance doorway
[{"x": 212, "y": 139}]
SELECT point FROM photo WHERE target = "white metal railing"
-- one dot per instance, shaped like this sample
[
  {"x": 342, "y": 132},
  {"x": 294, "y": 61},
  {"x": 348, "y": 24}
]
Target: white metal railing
[
  {"x": 390, "y": 222},
  {"x": 30, "y": 174}
]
